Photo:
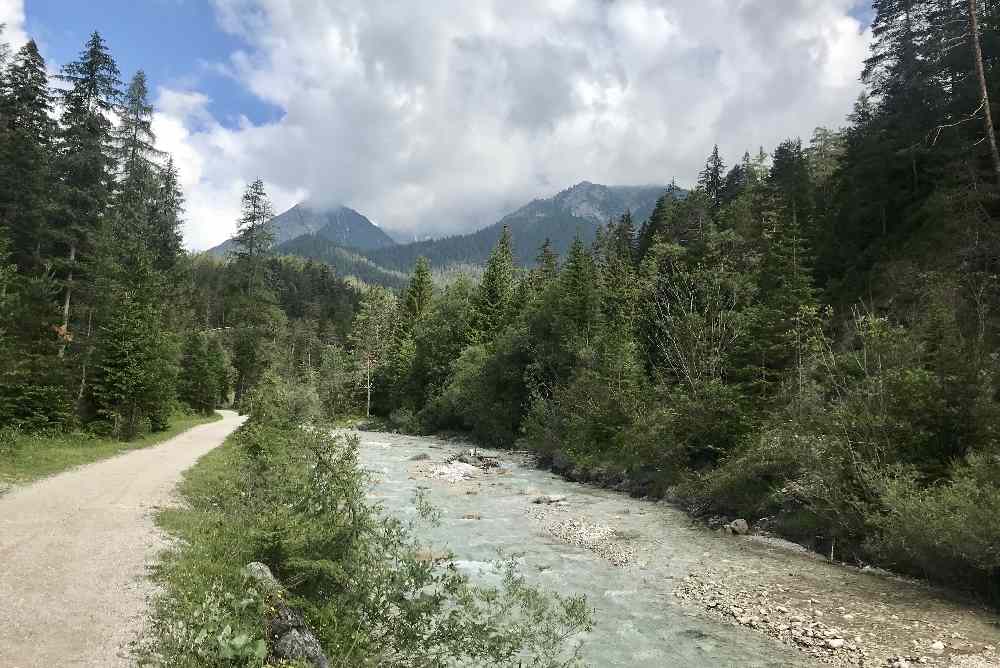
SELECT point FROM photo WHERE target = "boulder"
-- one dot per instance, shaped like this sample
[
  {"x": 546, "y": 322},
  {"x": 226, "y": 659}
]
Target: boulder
[
  {"x": 298, "y": 644},
  {"x": 739, "y": 527},
  {"x": 549, "y": 498},
  {"x": 288, "y": 634}
]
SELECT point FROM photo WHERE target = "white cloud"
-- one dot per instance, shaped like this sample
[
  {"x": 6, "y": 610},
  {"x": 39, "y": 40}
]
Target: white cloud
[
  {"x": 12, "y": 14},
  {"x": 441, "y": 116}
]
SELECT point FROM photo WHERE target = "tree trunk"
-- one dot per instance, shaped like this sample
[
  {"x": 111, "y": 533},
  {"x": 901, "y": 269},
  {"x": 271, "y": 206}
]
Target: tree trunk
[
  {"x": 66, "y": 300},
  {"x": 368, "y": 403},
  {"x": 977, "y": 55}
]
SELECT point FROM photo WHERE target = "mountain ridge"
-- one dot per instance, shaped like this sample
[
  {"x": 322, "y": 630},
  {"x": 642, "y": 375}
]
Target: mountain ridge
[
  {"x": 575, "y": 211},
  {"x": 341, "y": 225}
]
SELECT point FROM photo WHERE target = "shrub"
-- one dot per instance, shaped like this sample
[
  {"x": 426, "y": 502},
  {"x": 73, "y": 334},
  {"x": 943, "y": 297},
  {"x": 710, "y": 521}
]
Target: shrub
[
  {"x": 948, "y": 532},
  {"x": 293, "y": 497}
]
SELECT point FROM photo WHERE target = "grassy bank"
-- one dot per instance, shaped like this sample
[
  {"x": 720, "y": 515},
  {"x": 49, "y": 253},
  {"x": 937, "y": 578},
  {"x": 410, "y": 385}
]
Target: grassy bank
[
  {"x": 30, "y": 457},
  {"x": 366, "y": 587}
]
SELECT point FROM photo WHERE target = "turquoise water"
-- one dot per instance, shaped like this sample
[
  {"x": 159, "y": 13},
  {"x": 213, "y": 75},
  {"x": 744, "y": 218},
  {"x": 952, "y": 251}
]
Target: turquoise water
[{"x": 638, "y": 621}]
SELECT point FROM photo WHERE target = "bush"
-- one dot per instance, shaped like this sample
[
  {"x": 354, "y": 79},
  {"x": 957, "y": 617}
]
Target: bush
[
  {"x": 948, "y": 532},
  {"x": 293, "y": 498}
]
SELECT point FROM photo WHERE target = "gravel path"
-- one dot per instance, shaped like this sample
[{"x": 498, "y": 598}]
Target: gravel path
[{"x": 74, "y": 549}]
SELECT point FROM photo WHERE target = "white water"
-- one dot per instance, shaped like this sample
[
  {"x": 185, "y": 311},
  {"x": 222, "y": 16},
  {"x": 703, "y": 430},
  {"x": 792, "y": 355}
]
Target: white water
[{"x": 638, "y": 622}]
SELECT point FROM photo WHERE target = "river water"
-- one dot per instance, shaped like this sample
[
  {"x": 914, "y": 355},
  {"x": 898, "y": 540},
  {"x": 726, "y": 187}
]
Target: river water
[{"x": 638, "y": 621}]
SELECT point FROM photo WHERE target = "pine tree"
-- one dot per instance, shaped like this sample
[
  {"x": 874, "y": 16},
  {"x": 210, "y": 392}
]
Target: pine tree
[
  {"x": 199, "y": 381},
  {"x": 419, "y": 292},
  {"x": 623, "y": 237},
  {"x": 164, "y": 218},
  {"x": 26, "y": 153},
  {"x": 254, "y": 236},
  {"x": 711, "y": 178},
  {"x": 135, "y": 146},
  {"x": 135, "y": 369},
  {"x": 547, "y": 262},
  {"x": 494, "y": 301},
  {"x": 84, "y": 159},
  {"x": 579, "y": 307},
  {"x": 655, "y": 229}
]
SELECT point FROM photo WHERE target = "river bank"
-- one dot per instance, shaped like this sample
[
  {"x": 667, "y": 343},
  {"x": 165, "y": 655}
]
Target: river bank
[{"x": 666, "y": 590}]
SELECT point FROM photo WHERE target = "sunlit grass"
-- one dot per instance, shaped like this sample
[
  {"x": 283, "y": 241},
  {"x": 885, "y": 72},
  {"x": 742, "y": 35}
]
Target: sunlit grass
[{"x": 37, "y": 456}]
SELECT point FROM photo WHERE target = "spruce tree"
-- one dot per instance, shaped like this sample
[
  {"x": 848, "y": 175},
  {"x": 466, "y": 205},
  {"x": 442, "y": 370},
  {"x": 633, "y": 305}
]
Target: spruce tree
[
  {"x": 135, "y": 146},
  {"x": 254, "y": 236},
  {"x": 711, "y": 178},
  {"x": 198, "y": 383},
  {"x": 656, "y": 227},
  {"x": 494, "y": 301},
  {"x": 164, "y": 217},
  {"x": 419, "y": 292},
  {"x": 85, "y": 158},
  {"x": 26, "y": 153}
]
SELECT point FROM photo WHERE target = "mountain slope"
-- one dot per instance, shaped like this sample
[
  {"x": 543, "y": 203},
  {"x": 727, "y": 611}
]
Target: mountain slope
[
  {"x": 341, "y": 226},
  {"x": 577, "y": 211},
  {"x": 345, "y": 262}
]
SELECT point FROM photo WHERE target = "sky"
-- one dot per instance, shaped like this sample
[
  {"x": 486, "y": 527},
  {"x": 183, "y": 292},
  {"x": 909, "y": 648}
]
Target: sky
[{"x": 437, "y": 117}]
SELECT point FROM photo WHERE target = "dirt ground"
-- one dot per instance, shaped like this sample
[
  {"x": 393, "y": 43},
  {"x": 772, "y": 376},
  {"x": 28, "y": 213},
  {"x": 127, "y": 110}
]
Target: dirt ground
[{"x": 74, "y": 549}]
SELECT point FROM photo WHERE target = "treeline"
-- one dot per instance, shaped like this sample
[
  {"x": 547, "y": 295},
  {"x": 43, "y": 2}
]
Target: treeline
[
  {"x": 808, "y": 340},
  {"x": 105, "y": 322}
]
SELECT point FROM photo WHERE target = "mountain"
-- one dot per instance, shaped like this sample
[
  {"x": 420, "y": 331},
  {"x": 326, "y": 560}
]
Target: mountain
[
  {"x": 577, "y": 211},
  {"x": 345, "y": 262},
  {"x": 340, "y": 225}
]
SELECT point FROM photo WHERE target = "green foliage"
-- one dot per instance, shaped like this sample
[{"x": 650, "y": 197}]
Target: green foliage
[
  {"x": 135, "y": 369},
  {"x": 294, "y": 498},
  {"x": 495, "y": 298},
  {"x": 204, "y": 373},
  {"x": 947, "y": 532},
  {"x": 35, "y": 454}
]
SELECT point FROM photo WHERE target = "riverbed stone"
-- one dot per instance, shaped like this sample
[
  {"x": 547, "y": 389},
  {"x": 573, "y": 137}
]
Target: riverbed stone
[{"x": 739, "y": 527}]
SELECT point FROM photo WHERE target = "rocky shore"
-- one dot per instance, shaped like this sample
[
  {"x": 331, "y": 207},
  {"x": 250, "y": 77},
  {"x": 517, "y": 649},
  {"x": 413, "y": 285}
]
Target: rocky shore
[{"x": 836, "y": 614}]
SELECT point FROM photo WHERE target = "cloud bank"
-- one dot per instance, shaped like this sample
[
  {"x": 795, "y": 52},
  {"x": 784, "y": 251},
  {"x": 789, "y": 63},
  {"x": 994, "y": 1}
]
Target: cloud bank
[{"x": 439, "y": 116}]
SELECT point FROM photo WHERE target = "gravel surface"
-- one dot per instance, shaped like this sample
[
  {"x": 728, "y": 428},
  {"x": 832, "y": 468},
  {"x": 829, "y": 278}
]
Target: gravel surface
[{"x": 74, "y": 549}]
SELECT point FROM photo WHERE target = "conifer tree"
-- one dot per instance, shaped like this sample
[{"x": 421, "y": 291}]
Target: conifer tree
[
  {"x": 711, "y": 178},
  {"x": 547, "y": 261},
  {"x": 26, "y": 152},
  {"x": 198, "y": 383},
  {"x": 419, "y": 292},
  {"x": 254, "y": 236},
  {"x": 494, "y": 301},
  {"x": 656, "y": 227},
  {"x": 85, "y": 159},
  {"x": 135, "y": 146},
  {"x": 164, "y": 217}
]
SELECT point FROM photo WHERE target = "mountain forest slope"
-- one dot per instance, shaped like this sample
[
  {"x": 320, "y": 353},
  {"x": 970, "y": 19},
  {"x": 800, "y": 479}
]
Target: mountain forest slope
[{"x": 575, "y": 212}]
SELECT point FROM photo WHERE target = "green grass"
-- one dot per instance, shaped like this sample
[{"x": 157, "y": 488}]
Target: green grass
[
  {"x": 37, "y": 456},
  {"x": 354, "y": 573}
]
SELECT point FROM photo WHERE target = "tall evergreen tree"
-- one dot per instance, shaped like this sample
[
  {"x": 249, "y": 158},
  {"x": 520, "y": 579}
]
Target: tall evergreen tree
[
  {"x": 656, "y": 227},
  {"x": 135, "y": 146},
  {"x": 711, "y": 178},
  {"x": 26, "y": 152},
  {"x": 85, "y": 159},
  {"x": 419, "y": 292},
  {"x": 495, "y": 298},
  {"x": 254, "y": 236},
  {"x": 164, "y": 217}
]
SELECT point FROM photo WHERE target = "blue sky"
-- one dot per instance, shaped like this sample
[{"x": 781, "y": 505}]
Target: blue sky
[
  {"x": 178, "y": 43},
  {"x": 440, "y": 116}
]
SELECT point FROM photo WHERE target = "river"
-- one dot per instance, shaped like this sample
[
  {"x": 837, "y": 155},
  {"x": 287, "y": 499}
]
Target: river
[
  {"x": 667, "y": 592},
  {"x": 638, "y": 621}
]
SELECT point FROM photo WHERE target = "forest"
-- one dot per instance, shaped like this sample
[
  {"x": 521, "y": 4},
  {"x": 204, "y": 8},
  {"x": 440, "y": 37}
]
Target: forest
[{"x": 807, "y": 339}]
